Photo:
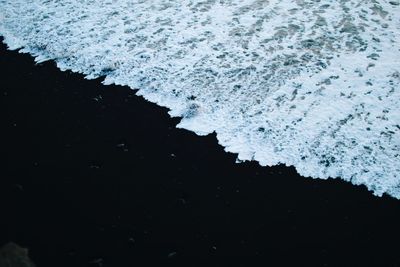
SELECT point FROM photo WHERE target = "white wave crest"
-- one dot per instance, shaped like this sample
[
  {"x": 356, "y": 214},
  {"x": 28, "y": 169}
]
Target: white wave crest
[{"x": 313, "y": 84}]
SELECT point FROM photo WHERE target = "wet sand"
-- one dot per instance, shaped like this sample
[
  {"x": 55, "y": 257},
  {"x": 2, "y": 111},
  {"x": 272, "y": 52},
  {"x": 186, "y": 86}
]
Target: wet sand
[{"x": 96, "y": 176}]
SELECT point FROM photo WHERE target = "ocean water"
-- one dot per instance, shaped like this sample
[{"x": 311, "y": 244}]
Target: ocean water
[{"x": 309, "y": 83}]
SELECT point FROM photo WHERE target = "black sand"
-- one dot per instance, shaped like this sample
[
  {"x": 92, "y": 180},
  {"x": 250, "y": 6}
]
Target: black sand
[{"x": 93, "y": 175}]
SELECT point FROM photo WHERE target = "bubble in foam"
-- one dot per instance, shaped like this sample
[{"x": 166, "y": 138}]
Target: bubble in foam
[{"x": 313, "y": 84}]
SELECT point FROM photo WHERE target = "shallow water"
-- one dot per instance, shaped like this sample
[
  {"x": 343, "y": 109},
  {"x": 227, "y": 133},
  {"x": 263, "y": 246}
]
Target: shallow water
[{"x": 313, "y": 84}]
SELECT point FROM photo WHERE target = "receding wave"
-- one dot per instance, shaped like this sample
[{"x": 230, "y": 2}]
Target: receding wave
[{"x": 313, "y": 84}]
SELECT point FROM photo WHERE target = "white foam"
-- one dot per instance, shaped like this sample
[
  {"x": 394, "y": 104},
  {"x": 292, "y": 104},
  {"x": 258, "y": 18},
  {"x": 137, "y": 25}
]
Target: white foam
[{"x": 313, "y": 84}]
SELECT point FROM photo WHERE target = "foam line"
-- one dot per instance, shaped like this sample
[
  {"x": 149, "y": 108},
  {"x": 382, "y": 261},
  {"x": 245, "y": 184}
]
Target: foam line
[{"x": 313, "y": 84}]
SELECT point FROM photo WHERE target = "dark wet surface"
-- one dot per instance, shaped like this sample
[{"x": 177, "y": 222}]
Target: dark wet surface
[{"x": 96, "y": 176}]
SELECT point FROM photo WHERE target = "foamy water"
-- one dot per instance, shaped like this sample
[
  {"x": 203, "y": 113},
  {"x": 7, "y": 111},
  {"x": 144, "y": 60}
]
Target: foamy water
[{"x": 313, "y": 84}]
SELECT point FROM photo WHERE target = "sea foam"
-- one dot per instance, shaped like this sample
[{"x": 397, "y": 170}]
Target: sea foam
[{"x": 308, "y": 83}]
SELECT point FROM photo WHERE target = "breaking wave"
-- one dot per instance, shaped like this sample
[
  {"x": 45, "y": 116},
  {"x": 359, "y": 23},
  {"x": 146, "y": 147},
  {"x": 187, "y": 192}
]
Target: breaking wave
[{"x": 313, "y": 84}]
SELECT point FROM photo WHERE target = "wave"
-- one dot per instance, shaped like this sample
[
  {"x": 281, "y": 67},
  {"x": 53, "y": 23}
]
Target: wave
[{"x": 313, "y": 84}]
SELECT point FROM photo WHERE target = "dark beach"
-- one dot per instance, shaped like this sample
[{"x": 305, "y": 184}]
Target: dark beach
[{"x": 93, "y": 175}]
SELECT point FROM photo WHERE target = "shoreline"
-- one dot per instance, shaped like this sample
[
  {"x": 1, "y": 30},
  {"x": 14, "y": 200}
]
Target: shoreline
[{"x": 94, "y": 171}]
